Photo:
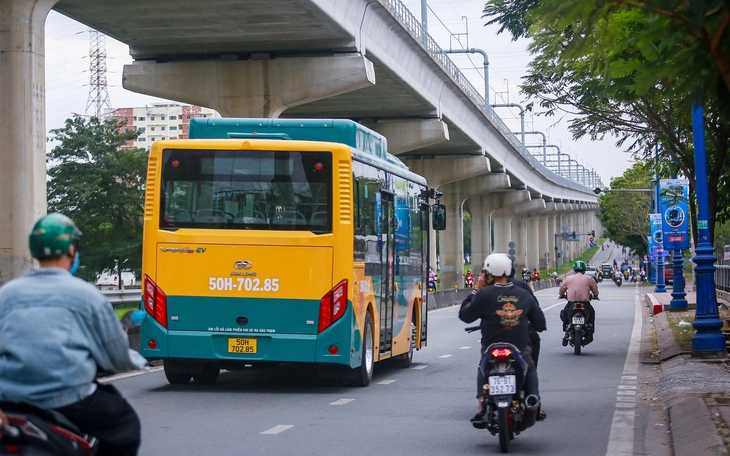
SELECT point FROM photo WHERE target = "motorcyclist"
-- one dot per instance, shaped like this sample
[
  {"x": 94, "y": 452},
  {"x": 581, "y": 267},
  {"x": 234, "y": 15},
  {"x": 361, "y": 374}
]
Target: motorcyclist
[
  {"x": 536, "y": 275},
  {"x": 431, "y": 279},
  {"x": 578, "y": 287},
  {"x": 56, "y": 331},
  {"x": 469, "y": 279},
  {"x": 506, "y": 311}
]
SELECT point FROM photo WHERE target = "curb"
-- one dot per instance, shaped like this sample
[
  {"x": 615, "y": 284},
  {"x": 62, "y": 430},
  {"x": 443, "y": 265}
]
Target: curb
[{"x": 693, "y": 431}]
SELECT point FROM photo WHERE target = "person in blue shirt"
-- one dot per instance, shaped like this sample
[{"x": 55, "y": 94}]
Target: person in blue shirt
[{"x": 56, "y": 332}]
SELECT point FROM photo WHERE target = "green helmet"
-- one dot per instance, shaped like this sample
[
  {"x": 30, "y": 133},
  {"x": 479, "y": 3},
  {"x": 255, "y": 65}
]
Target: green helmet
[
  {"x": 52, "y": 235},
  {"x": 579, "y": 265}
]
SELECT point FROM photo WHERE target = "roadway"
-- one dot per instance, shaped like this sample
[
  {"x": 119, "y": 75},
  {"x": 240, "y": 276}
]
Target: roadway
[{"x": 421, "y": 410}]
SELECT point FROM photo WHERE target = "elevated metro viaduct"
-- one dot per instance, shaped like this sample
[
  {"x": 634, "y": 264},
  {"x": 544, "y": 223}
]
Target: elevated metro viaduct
[{"x": 367, "y": 60}]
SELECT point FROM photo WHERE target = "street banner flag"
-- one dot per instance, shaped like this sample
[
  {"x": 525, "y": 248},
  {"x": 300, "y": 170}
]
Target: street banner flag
[
  {"x": 657, "y": 236},
  {"x": 674, "y": 200}
]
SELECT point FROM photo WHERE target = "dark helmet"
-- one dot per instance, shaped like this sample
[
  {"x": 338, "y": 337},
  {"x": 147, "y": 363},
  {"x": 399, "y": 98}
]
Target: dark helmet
[{"x": 52, "y": 235}]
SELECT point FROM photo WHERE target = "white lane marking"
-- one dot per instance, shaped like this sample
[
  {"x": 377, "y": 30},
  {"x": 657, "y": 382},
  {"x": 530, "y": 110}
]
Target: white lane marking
[
  {"x": 342, "y": 402},
  {"x": 278, "y": 429},
  {"x": 464, "y": 348},
  {"x": 134, "y": 373},
  {"x": 445, "y": 356},
  {"x": 628, "y": 377},
  {"x": 555, "y": 305},
  {"x": 420, "y": 367},
  {"x": 386, "y": 382},
  {"x": 621, "y": 439},
  {"x": 628, "y": 393},
  {"x": 627, "y": 387}
]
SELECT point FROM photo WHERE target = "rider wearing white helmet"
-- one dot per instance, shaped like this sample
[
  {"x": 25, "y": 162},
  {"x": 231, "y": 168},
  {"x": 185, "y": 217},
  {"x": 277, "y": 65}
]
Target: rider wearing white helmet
[{"x": 506, "y": 311}]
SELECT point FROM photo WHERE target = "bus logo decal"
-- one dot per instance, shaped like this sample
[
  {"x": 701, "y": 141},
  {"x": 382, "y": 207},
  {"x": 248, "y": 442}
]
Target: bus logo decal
[{"x": 243, "y": 264}]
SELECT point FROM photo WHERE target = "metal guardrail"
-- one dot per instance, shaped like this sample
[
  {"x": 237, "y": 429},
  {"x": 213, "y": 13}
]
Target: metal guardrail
[
  {"x": 401, "y": 12},
  {"x": 722, "y": 277},
  {"x": 118, "y": 297}
]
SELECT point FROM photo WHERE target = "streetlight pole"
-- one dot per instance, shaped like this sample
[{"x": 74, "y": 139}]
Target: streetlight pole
[
  {"x": 707, "y": 342},
  {"x": 661, "y": 286}
]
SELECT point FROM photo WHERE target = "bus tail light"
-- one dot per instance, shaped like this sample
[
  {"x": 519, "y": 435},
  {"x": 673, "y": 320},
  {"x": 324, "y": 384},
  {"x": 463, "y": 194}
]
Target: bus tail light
[
  {"x": 155, "y": 301},
  {"x": 332, "y": 306}
]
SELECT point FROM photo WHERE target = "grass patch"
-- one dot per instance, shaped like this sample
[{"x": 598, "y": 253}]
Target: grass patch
[
  {"x": 682, "y": 334},
  {"x": 124, "y": 308}
]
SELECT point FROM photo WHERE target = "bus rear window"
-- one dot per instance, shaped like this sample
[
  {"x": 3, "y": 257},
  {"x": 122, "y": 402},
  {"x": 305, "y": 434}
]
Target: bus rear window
[{"x": 238, "y": 190}]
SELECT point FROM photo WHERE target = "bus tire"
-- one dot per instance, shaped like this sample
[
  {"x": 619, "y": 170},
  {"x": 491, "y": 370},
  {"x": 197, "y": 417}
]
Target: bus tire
[
  {"x": 364, "y": 373},
  {"x": 208, "y": 376},
  {"x": 176, "y": 378}
]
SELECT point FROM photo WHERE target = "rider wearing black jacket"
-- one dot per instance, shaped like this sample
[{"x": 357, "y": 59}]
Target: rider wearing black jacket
[{"x": 506, "y": 311}]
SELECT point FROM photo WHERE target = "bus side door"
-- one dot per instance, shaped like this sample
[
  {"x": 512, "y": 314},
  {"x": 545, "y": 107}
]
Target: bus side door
[{"x": 387, "y": 256}]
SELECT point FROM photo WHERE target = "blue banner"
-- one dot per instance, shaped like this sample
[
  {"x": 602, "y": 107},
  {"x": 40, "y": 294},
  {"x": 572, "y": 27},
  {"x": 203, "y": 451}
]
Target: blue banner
[
  {"x": 650, "y": 254},
  {"x": 657, "y": 235},
  {"x": 674, "y": 200}
]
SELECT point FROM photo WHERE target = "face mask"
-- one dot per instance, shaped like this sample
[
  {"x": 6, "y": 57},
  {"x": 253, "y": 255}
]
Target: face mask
[{"x": 75, "y": 266}]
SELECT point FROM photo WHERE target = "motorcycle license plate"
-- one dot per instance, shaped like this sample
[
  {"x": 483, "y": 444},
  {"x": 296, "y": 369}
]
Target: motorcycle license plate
[
  {"x": 239, "y": 345},
  {"x": 579, "y": 320},
  {"x": 502, "y": 385}
]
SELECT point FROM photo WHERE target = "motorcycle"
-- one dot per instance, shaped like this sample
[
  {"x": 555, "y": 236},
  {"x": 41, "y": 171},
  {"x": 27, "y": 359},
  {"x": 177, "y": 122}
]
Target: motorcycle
[
  {"x": 43, "y": 432},
  {"x": 618, "y": 280},
  {"x": 526, "y": 276},
  {"x": 508, "y": 411},
  {"x": 469, "y": 281},
  {"x": 579, "y": 332},
  {"x": 37, "y": 431}
]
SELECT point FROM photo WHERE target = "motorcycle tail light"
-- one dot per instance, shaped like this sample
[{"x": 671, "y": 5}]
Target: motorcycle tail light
[
  {"x": 578, "y": 307},
  {"x": 501, "y": 353}
]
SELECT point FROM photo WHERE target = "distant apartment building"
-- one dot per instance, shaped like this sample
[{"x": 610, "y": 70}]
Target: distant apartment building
[{"x": 159, "y": 121}]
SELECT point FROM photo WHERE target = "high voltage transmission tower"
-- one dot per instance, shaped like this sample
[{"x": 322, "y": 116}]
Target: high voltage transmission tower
[{"x": 99, "y": 102}]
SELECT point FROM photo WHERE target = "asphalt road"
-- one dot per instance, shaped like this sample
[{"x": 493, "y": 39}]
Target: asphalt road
[{"x": 421, "y": 410}]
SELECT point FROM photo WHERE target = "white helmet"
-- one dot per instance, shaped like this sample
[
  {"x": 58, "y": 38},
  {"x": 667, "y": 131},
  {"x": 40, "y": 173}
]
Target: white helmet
[{"x": 498, "y": 265}]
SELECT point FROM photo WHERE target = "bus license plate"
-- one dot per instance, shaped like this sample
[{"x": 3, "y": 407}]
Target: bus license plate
[
  {"x": 579, "y": 320},
  {"x": 502, "y": 385},
  {"x": 238, "y": 345}
]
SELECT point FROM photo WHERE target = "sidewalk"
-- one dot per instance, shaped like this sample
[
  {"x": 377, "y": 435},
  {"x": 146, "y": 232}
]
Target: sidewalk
[{"x": 695, "y": 393}]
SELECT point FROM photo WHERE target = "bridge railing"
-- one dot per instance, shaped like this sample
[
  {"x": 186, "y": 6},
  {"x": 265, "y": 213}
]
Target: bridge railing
[
  {"x": 401, "y": 12},
  {"x": 722, "y": 277}
]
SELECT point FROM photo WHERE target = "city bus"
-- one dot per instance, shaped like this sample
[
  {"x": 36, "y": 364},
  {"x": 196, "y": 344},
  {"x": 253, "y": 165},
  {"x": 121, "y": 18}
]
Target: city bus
[{"x": 283, "y": 242}]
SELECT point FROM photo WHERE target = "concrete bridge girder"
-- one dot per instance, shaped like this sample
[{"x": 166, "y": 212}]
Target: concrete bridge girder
[
  {"x": 407, "y": 135},
  {"x": 251, "y": 88},
  {"x": 440, "y": 171}
]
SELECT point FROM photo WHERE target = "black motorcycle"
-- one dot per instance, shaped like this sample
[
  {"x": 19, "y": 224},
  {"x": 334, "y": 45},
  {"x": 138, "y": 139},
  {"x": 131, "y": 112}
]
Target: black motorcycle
[
  {"x": 508, "y": 411},
  {"x": 37, "y": 431},
  {"x": 580, "y": 333},
  {"x": 618, "y": 281}
]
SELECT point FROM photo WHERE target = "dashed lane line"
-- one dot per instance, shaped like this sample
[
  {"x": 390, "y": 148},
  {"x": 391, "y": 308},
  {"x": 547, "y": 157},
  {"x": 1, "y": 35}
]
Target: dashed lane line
[
  {"x": 420, "y": 367},
  {"x": 134, "y": 373},
  {"x": 278, "y": 429},
  {"x": 445, "y": 356},
  {"x": 621, "y": 438},
  {"x": 386, "y": 382},
  {"x": 464, "y": 348},
  {"x": 341, "y": 401}
]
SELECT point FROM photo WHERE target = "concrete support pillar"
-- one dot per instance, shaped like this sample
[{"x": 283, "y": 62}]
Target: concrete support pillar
[
  {"x": 451, "y": 243},
  {"x": 543, "y": 233},
  {"x": 533, "y": 253},
  {"x": 23, "y": 127},
  {"x": 251, "y": 88}
]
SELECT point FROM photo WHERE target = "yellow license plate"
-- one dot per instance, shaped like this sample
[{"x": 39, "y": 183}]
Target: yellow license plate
[{"x": 238, "y": 345}]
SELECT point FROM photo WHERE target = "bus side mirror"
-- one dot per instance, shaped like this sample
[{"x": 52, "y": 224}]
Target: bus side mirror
[{"x": 438, "y": 212}]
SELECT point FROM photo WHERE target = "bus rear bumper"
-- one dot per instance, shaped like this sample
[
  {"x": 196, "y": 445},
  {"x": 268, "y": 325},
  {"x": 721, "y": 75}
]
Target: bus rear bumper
[{"x": 205, "y": 346}]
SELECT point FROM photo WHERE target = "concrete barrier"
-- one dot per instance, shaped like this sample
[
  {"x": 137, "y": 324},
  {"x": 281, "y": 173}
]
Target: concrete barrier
[{"x": 454, "y": 297}]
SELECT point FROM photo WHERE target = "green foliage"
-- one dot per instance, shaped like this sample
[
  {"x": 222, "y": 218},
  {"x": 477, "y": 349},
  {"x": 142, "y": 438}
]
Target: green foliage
[
  {"x": 100, "y": 185},
  {"x": 631, "y": 69},
  {"x": 625, "y": 215},
  {"x": 467, "y": 233}
]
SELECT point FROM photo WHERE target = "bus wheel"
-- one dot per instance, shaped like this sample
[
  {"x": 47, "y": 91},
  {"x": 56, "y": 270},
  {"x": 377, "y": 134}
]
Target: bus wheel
[
  {"x": 176, "y": 378},
  {"x": 405, "y": 360},
  {"x": 208, "y": 376},
  {"x": 364, "y": 373}
]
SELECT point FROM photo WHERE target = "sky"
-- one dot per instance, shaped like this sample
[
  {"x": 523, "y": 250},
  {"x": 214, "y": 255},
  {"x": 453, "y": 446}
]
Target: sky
[{"x": 453, "y": 24}]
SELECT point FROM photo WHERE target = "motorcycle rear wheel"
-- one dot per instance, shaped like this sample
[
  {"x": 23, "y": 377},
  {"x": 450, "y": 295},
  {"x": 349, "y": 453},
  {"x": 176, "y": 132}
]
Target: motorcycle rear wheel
[
  {"x": 504, "y": 430},
  {"x": 577, "y": 339}
]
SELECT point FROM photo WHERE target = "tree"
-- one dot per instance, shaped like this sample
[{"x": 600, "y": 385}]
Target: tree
[
  {"x": 625, "y": 215},
  {"x": 632, "y": 69},
  {"x": 100, "y": 185}
]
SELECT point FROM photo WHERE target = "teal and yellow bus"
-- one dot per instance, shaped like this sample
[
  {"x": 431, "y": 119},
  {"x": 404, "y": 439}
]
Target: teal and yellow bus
[{"x": 282, "y": 241}]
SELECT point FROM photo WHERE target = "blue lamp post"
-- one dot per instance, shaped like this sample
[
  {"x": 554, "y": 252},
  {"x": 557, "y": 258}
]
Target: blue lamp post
[
  {"x": 660, "y": 284},
  {"x": 707, "y": 342},
  {"x": 678, "y": 302}
]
